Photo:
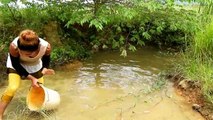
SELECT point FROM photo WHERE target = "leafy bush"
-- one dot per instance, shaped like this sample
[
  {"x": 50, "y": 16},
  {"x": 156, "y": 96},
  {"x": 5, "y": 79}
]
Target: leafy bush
[
  {"x": 71, "y": 50},
  {"x": 105, "y": 24}
]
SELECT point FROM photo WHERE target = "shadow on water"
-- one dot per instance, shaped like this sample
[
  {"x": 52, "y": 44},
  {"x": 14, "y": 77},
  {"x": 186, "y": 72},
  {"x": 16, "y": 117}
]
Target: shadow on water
[{"x": 111, "y": 87}]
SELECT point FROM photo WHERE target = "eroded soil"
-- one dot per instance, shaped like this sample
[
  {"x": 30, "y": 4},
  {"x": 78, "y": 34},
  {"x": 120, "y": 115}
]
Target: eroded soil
[{"x": 191, "y": 91}]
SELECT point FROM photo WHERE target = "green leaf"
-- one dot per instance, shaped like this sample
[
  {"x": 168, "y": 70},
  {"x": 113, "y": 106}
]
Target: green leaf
[
  {"x": 146, "y": 35},
  {"x": 135, "y": 37},
  {"x": 104, "y": 46},
  {"x": 86, "y": 18},
  {"x": 159, "y": 29},
  {"x": 173, "y": 27},
  {"x": 132, "y": 48},
  {"x": 96, "y": 23},
  {"x": 123, "y": 53},
  {"x": 69, "y": 23},
  {"x": 7, "y": 1},
  {"x": 118, "y": 29},
  {"x": 140, "y": 42},
  {"x": 115, "y": 44},
  {"x": 121, "y": 39}
]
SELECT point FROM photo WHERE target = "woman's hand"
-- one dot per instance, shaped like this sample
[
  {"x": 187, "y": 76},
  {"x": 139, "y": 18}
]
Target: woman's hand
[
  {"x": 46, "y": 71},
  {"x": 33, "y": 80},
  {"x": 35, "y": 83}
]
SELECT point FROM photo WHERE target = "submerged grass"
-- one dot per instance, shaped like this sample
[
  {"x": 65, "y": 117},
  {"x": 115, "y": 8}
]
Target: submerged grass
[{"x": 21, "y": 112}]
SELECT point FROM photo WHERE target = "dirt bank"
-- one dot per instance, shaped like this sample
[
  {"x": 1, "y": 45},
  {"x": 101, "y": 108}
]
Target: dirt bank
[{"x": 191, "y": 91}]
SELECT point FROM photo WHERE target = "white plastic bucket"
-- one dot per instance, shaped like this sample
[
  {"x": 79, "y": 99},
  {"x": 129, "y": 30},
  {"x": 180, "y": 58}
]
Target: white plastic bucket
[{"x": 42, "y": 98}]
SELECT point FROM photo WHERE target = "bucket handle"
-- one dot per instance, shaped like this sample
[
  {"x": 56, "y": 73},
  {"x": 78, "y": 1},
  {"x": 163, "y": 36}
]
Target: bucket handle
[{"x": 39, "y": 83}]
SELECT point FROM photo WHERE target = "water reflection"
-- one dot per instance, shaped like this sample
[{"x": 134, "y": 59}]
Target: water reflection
[{"x": 138, "y": 69}]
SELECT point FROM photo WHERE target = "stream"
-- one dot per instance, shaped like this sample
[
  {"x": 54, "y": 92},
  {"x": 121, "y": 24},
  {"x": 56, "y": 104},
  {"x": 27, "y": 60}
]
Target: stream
[{"x": 110, "y": 87}]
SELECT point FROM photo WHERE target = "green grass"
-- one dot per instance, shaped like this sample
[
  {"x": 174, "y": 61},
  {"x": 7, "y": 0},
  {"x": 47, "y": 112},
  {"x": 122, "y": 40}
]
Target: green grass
[
  {"x": 203, "y": 43},
  {"x": 197, "y": 62},
  {"x": 201, "y": 72}
]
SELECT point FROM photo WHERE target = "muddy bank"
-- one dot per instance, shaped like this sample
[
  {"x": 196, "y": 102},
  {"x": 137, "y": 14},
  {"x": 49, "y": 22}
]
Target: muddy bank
[{"x": 191, "y": 91}]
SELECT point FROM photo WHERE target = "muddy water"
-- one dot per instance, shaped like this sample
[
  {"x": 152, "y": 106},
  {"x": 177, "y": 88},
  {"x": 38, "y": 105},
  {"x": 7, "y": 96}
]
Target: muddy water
[{"x": 110, "y": 87}]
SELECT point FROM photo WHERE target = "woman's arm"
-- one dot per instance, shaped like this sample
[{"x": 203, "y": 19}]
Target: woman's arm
[
  {"x": 14, "y": 56},
  {"x": 46, "y": 57},
  {"x": 46, "y": 62}
]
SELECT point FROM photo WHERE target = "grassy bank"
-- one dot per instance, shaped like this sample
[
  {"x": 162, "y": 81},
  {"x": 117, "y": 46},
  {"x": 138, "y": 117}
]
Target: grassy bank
[{"x": 197, "y": 61}]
